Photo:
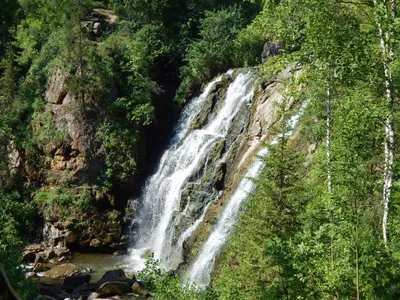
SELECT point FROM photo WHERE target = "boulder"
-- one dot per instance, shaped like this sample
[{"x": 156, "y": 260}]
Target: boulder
[
  {"x": 93, "y": 296},
  {"x": 115, "y": 275},
  {"x": 84, "y": 290},
  {"x": 62, "y": 271},
  {"x": 138, "y": 288},
  {"x": 40, "y": 258},
  {"x": 40, "y": 267},
  {"x": 76, "y": 280},
  {"x": 112, "y": 288},
  {"x": 48, "y": 288},
  {"x": 270, "y": 49},
  {"x": 28, "y": 256},
  {"x": 49, "y": 254}
]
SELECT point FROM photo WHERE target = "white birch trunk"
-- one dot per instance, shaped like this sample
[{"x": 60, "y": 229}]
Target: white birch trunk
[
  {"x": 328, "y": 135},
  {"x": 393, "y": 7},
  {"x": 387, "y": 53}
]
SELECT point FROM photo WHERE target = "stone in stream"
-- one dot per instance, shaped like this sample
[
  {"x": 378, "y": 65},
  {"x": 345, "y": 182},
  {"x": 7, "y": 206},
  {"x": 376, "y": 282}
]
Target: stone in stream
[
  {"x": 28, "y": 256},
  {"x": 40, "y": 267},
  {"x": 112, "y": 288},
  {"x": 139, "y": 289},
  {"x": 77, "y": 280},
  {"x": 116, "y": 275},
  {"x": 62, "y": 271}
]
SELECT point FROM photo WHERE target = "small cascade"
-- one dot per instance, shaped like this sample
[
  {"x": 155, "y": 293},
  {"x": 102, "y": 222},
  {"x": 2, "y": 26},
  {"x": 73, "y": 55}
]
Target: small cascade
[
  {"x": 175, "y": 198},
  {"x": 202, "y": 268}
]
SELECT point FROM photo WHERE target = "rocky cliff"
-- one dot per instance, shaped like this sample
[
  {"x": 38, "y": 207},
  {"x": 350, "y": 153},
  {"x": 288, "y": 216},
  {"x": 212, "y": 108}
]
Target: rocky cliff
[{"x": 79, "y": 212}]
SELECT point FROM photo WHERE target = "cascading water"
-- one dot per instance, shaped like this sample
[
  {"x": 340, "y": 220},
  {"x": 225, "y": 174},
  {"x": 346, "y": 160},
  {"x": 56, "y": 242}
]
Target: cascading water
[
  {"x": 165, "y": 219},
  {"x": 203, "y": 266}
]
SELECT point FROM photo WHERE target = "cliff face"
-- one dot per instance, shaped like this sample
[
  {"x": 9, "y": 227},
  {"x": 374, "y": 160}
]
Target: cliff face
[
  {"x": 79, "y": 212},
  {"x": 77, "y": 154}
]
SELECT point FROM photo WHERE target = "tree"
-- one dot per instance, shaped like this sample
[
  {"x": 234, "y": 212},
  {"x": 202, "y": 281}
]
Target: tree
[
  {"x": 385, "y": 37},
  {"x": 213, "y": 51},
  {"x": 255, "y": 264}
]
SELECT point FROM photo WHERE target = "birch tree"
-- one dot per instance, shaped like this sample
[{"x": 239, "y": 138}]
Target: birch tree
[{"x": 387, "y": 51}]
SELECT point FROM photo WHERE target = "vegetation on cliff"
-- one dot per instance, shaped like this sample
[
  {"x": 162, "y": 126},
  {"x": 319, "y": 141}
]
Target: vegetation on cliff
[{"x": 321, "y": 224}]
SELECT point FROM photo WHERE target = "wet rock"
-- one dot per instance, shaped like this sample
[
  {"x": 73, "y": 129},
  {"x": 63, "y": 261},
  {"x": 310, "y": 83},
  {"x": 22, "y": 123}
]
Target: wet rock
[
  {"x": 40, "y": 268},
  {"x": 112, "y": 288},
  {"x": 49, "y": 254},
  {"x": 116, "y": 275},
  {"x": 31, "y": 275},
  {"x": 212, "y": 103},
  {"x": 48, "y": 289},
  {"x": 83, "y": 291},
  {"x": 77, "y": 280},
  {"x": 45, "y": 297},
  {"x": 139, "y": 289},
  {"x": 62, "y": 271},
  {"x": 40, "y": 258},
  {"x": 93, "y": 296},
  {"x": 62, "y": 252},
  {"x": 28, "y": 256}
]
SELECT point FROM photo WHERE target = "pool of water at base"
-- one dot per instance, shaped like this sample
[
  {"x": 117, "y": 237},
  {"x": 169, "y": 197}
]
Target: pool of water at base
[{"x": 98, "y": 263}]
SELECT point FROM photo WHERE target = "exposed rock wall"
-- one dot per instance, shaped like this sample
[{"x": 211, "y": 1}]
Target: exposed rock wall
[
  {"x": 73, "y": 167},
  {"x": 78, "y": 154}
]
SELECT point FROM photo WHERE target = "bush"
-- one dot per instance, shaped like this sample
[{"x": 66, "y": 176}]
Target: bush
[
  {"x": 166, "y": 284},
  {"x": 9, "y": 259},
  {"x": 64, "y": 196},
  {"x": 214, "y": 51},
  {"x": 15, "y": 218}
]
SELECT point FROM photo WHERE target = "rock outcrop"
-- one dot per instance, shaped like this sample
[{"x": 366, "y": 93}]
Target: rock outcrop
[
  {"x": 69, "y": 282},
  {"x": 270, "y": 49},
  {"x": 76, "y": 157},
  {"x": 78, "y": 211}
]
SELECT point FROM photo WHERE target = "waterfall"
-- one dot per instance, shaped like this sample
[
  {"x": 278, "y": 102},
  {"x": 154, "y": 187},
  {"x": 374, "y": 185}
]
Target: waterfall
[
  {"x": 166, "y": 217},
  {"x": 202, "y": 268}
]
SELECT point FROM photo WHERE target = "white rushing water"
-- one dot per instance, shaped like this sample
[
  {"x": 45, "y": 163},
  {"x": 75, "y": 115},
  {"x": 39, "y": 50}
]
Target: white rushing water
[
  {"x": 203, "y": 266},
  {"x": 187, "y": 154}
]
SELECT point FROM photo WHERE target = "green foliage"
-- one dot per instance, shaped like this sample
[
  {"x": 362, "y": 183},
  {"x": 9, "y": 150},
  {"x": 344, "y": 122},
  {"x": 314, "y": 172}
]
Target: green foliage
[
  {"x": 15, "y": 215},
  {"x": 8, "y": 12},
  {"x": 148, "y": 44},
  {"x": 9, "y": 259},
  {"x": 255, "y": 265},
  {"x": 248, "y": 46},
  {"x": 119, "y": 147},
  {"x": 16, "y": 219},
  {"x": 64, "y": 196},
  {"x": 166, "y": 285},
  {"x": 119, "y": 135},
  {"x": 295, "y": 239},
  {"x": 46, "y": 135},
  {"x": 214, "y": 51}
]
